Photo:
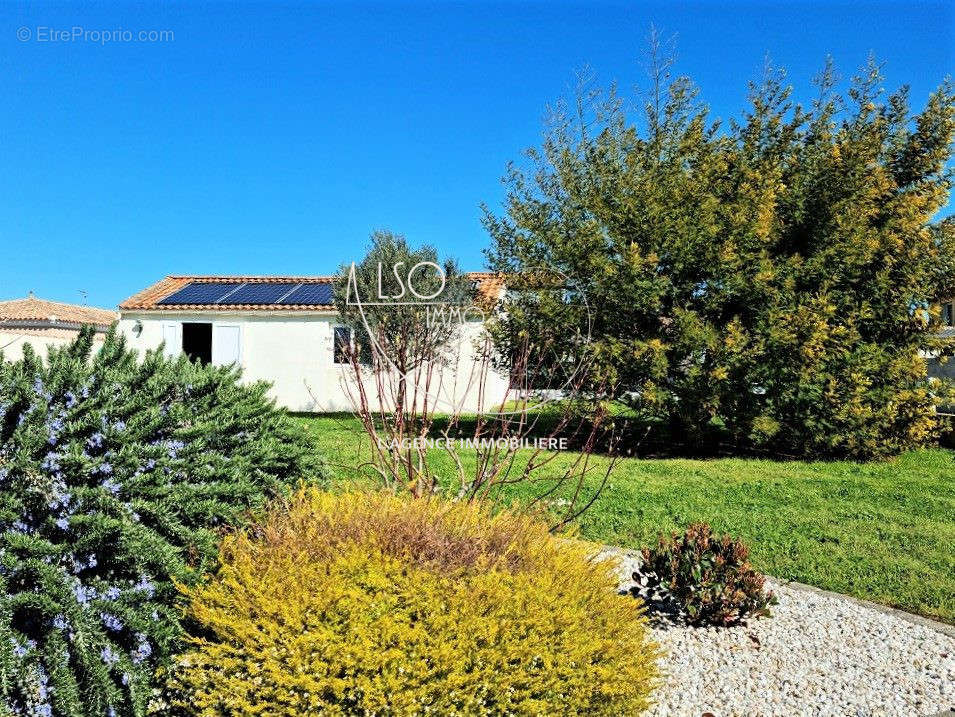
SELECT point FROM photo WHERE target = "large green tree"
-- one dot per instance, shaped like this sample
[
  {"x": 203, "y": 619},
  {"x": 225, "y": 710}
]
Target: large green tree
[{"x": 776, "y": 274}]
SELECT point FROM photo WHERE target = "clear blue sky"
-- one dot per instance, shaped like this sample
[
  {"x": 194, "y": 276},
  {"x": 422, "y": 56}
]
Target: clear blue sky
[{"x": 273, "y": 138}]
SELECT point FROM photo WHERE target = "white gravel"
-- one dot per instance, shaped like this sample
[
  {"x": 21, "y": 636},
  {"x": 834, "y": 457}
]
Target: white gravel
[{"x": 816, "y": 655}]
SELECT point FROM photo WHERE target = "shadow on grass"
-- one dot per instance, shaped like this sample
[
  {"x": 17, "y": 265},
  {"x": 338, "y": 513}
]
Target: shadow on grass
[{"x": 622, "y": 435}]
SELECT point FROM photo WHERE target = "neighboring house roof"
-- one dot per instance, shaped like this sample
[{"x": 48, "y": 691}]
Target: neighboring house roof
[
  {"x": 156, "y": 297},
  {"x": 32, "y": 312},
  {"x": 490, "y": 286}
]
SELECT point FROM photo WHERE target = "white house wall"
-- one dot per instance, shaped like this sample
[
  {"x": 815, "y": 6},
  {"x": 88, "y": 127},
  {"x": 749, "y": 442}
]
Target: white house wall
[
  {"x": 12, "y": 341},
  {"x": 294, "y": 353}
]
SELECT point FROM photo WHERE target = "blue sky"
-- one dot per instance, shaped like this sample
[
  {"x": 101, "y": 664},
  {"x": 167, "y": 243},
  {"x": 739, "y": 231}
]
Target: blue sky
[{"x": 272, "y": 138}]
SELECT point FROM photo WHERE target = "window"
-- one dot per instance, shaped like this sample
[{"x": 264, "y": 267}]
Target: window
[
  {"x": 343, "y": 345},
  {"x": 948, "y": 314},
  {"x": 197, "y": 342}
]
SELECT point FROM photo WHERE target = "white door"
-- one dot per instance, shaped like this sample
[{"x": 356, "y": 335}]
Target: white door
[
  {"x": 172, "y": 337},
  {"x": 225, "y": 344}
]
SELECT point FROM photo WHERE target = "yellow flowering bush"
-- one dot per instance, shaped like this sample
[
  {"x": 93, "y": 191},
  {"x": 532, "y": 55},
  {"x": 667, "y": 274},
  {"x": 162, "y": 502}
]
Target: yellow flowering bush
[{"x": 374, "y": 604}]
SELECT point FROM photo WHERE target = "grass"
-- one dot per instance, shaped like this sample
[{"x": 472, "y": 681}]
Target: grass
[{"x": 883, "y": 532}]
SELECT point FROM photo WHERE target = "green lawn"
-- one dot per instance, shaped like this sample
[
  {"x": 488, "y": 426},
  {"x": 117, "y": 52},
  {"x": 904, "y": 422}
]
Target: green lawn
[{"x": 883, "y": 531}]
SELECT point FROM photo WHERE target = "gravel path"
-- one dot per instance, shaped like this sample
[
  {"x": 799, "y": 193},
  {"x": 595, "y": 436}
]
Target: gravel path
[{"x": 817, "y": 655}]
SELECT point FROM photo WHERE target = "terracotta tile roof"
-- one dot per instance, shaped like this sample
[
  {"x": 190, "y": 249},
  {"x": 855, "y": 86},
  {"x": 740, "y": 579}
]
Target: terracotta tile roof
[
  {"x": 40, "y": 311},
  {"x": 488, "y": 285}
]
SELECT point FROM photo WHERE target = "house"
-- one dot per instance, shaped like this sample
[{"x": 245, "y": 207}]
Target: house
[
  {"x": 42, "y": 323},
  {"x": 285, "y": 330},
  {"x": 936, "y": 368}
]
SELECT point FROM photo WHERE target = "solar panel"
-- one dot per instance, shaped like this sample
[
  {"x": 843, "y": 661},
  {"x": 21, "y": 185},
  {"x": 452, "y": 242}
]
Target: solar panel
[
  {"x": 200, "y": 292},
  {"x": 258, "y": 293},
  {"x": 310, "y": 294}
]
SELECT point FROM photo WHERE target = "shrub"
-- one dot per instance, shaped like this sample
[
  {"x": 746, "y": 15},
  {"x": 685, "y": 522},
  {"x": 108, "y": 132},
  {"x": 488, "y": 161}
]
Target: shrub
[
  {"x": 115, "y": 476},
  {"x": 775, "y": 277},
  {"x": 373, "y": 604},
  {"x": 709, "y": 577}
]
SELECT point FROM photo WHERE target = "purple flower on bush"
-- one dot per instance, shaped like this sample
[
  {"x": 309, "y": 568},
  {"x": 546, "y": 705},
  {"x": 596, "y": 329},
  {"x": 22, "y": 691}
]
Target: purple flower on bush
[
  {"x": 79, "y": 565},
  {"x": 69, "y": 399},
  {"x": 59, "y": 499},
  {"x": 143, "y": 649},
  {"x": 83, "y": 594},
  {"x": 111, "y": 485},
  {"x": 53, "y": 429},
  {"x": 173, "y": 448},
  {"x": 111, "y": 622},
  {"x": 108, "y": 656},
  {"x": 112, "y": 593},
  {"x": 63, "y": 523},
  {"x": 145, "y": 585},
  {"x": 59, "y": 622},
  {"x": 96, "y": 440},
  {"x": 50, "y": 463}
]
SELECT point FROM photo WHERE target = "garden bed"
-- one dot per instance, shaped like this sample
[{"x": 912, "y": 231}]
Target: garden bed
[{"x": 818, "y": 654}]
